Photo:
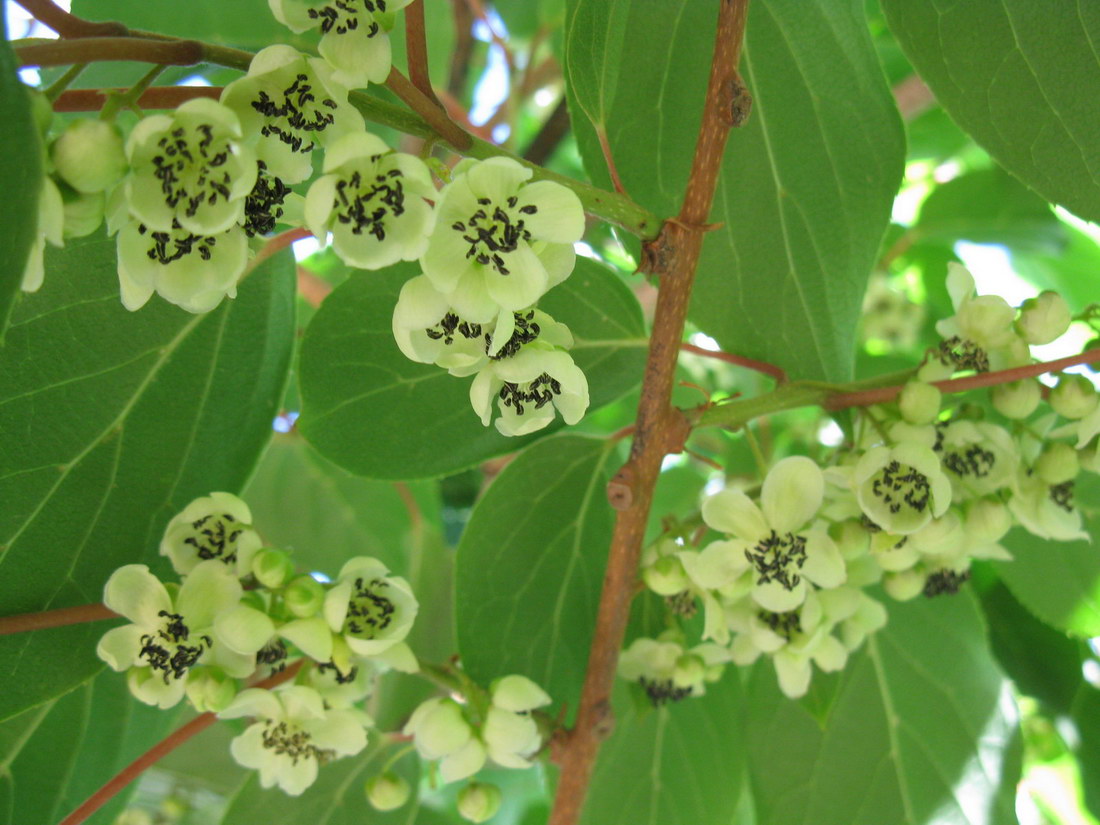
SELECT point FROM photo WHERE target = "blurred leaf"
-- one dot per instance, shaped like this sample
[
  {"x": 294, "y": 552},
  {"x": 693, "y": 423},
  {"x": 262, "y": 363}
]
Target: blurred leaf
[
  {"x": 1086, "y": 717},
  {"x": 20, "y": 179},
  {"x": 680, "y": 764},
  {"x": 1074, "y": 271},
  {"x": 1059, "y": 582},
  {"x": 530, "y": 566},
  {"x": 356, "y": 383},
  {"x": 807, "y": 183},
  {"x": 1020, "y": 77},
  {"x": 923, "y": 730},
  {"x": 933, "y": 135},
  {"x": 112, "y": 422},
  {"x": 989, "y": 206}
]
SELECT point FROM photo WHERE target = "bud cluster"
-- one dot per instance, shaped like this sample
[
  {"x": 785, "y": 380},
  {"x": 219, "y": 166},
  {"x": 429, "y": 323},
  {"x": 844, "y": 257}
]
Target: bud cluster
[{"x": 922, "y": 490}]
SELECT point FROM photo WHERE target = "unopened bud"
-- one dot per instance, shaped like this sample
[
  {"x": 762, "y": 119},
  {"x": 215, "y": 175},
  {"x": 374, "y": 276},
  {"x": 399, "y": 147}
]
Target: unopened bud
[
  {"x": 987, "y": 520},
  {"x": 83, "y": 214},
  {"x": 304, "y": 597},
  {"x": 690, "y": 671},
  {"x": 1058, "y": 464},
  {"x": 387, "y": 791},
  {"x": 1073, "y": 397},
  {"x": 479, "y": 801},
  {"x": 666, "y": 576},
  {"x": 1018, "y": 399},
  {"x": 919, "y": 402},
  {"x": 905, "y": 585},
  {"x": 272, "y": 567},
  {"x": 1044, "y": 318},
  {"x": 89, "y": 155},
  {"x": 209, "y": 689}
]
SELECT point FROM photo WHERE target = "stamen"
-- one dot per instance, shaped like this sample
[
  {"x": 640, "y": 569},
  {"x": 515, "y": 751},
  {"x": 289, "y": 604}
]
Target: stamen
[
  {"x": 661, "y": 692},
  {"x": 945, "y": 583},
  {"x": 287, "y": 739},
  {"x": 775, "y": 556},
  {"x": 894, "y": 487}
]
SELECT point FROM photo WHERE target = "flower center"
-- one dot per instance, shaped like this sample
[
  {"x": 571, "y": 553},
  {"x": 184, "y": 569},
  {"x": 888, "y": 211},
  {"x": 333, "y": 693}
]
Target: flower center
[
  {"x": 1062, "y": 495},
  {"x": 188, "y": 168},
  {"x": 775, "y": 556},
  {"x": 366, "y": 205},
  {"x": 785, "y": 624},
  {"x": 339, "y": 676},
  {"x": 540, "y": 392},
  {"x": 525, "y": 332},
  {"x": 264, "y": 204},
  {"x": 288, "y": 739},
  {"x": 662, "y": 691},
  {"x": 215, "y": 537},
  {"x": 165, "y": 651},
  {"x": 171, "y": 246},
  {"x": 297, "y": 117},
  {"x": 342, "y": 16},
  {"x": 897, "y": 484},
  {"x": 964, "y": 354},
  {"x": 273, "y": 654},
  {"x": 945, "y": 583},
  {"x": 369, "y": 612},
  {"x": 491, "y": 235},
  {"x": 449, "y": 325}
]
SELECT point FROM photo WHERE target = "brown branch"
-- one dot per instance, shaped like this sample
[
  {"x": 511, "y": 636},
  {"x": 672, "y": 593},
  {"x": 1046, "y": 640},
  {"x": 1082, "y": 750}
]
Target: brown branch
[
  {"x": 553, "y": 130},
  {"x": 69, "y": 25},
  {"x": 25, "y": 622},
  {"x": 881, "y": 395},
  {"x": 764, "y": 367},
  {"x": 431, "y": 112},
  {"x": 164, "y": 747},
  {"x": 913, "y": 97},
  {"x": 659, "y": 428},
  {"x": 93, "y": 49},
  {"x": 416, "y": 49},
  {"x": 156, "y": 97}
]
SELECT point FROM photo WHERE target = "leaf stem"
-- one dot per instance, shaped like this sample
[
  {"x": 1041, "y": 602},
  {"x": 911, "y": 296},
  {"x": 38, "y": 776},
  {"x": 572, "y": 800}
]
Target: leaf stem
[
  {"x": 98, "y": 49},
  {"x": 660, "y": 428},
  {"x": 759, "y": 366},
  {"x": 46, "y": 619},
  {"x": 416, "y": 50},
  {"x": 157, "y": 97},
  {"x": 176, "y": 738},
  {"x": 434, "y": 114}
]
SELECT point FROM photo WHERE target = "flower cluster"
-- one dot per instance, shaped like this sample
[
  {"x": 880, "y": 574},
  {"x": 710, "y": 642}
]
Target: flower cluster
[
  {"x": 922, "y": 491},
  {"x": 239, "y": 612}
]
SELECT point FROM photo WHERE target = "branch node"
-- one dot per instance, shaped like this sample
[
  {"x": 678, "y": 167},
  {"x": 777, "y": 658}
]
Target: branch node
[
  {"x": 620, "y": 490},
  {"x": 738, "y": 106},
  {"x": 603, "y": 725}
]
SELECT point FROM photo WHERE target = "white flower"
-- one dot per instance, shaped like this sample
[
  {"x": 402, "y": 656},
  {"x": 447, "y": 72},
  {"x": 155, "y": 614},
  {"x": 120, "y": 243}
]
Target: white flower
[
  {"x": 217, "y": 526},
  {"x": 510, "y": 734},
  {"x": 667, "y": 672},
  {"x": 295, "y": 736},
  {"x": 499, "y": 242},
  {"x": 289, "y": 104},
  {"x": 1044, "y": 510},
  {"x": 189, "y": 170},
  {"x": 440, "y": 731},
  {"x": 778, "y": 541},
  {"x": 986, "y": 321},
  {"x": 1044, "y": 318},
  {"x": 373, "y": 202},
  {"x": 50, "y": 228},
  {"x": 901, "y": 488},
  {"x": 528, "y": 387},
  {"x": 194, "y": 272},
  {"x": 354, "y": 34},
  {"x": 168, "y": 636},
  {"x": 978, "y": 457},
  {"x": 371, "y": 609},
  {"x": 518, "y": 694}
]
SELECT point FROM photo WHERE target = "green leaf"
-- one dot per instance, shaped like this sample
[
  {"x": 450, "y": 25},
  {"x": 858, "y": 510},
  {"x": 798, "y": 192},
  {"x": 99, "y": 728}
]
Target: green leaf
[
  {"x": 20, "y": 179},
  {"x": 336, "y": 798},
  {"x": 530, "y": 565},
  {"x": 989, "y": 206},
  {"x": 1059, "y": 582},
  {"x": 806, "y": 185},
  {"x": 923, "y": 730},
  {"x": 356, "y": 383},
  {"x": 113, "y": 421},
  {"x": 1020, "y": 77},
  {"x": 1086, "y": 717},
  {"x": 680, "y": 764}
]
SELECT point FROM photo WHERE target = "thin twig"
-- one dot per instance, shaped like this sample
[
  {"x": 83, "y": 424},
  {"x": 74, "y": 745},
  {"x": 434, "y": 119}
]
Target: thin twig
[
  {"x": 553, "y": 131},
  {"x": 44, "y": 620},
  {"x": 69, "y": 25},
  {"x": 659, "y": 428},
  {"x": 416, "y": 49},
  {"x": 164, "y": 747},
  {"x": 157, "y": 97},
  {"x": 764, "y": 367},
  {"x": 432, "y": 112},
  {"x": 463, "y": 49},
  {"x": 93, "y": 49}
]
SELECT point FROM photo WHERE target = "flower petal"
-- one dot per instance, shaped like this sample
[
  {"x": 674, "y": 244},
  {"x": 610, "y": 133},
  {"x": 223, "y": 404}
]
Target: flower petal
[
  {"x": 792, "y": 494},
  {"x": 558, "y": 215},
  {"x": 120, "y": 646},
  {"x": 134, "y": 592},
  {"x": 731, "y": 511}
]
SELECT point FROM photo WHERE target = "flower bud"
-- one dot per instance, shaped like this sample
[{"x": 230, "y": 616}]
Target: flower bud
[
  {"x": 479, "y": 801},
  {"x": 919, "y": 402},
  {"x": 272, "y": 568},
  {"x": 987, "y": 520},
  {"x": 689, "y": 671},
  {"x": 1073, "y": 397},
  {"x": 666, "y": 576},
  {"x": 438, "y": 728},
  {"x": 387, "y": 791},
  {"x": 1044, "y": 318},
  {"x": 518, "y": 694},
  {"x": 1057, "y": 464},
  {"x": 209, "y": 689},
  {"x": 304, "y": 597},
  {"x": 1018, "y": 399},
  {"x": 905, "y": 585},
  {"x": 83, "y": 214},
  {"x": 89, "y": 155},
  {"x": 1089, "y": 457}
]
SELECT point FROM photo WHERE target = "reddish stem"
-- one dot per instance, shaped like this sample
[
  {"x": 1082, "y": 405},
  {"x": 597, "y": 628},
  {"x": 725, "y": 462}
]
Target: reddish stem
[
  {"x": 156, "y": 97},
  {"x": 751, "y": 363},
  {"x": 276, "y": 244},
  {"x": 92, "y": 49},
  {"x": 416, "y": 49},
  {"x": 428, "y": 109},
  {"x": 164, "y": 747},
  {"x": 44, "y": 620},
  {"x": 881, "y": 395},
  {"x": 68, "y": 25}
]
